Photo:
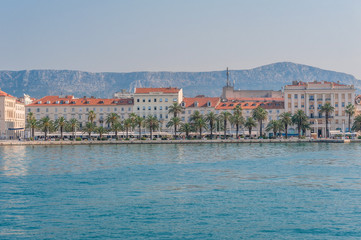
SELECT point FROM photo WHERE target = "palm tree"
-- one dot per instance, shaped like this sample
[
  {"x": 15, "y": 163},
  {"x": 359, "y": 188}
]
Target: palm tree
[
  {"x": 139, "y": 121},
  {"x": 237, "y": 118},
  {"x": 152, "y": 123},
  {"x": 175, "y": 122},
  {"x": 327, "y": 109},
  {"x": 200, "y": 124},
  {"x": 225, "y": 116},
  {"x": 73, "y": 125},
  {"x": 300, "y": 119},
  {"x": 91, "y": 116},
  {"x": 60, "y": 124},
  {"x": 133, "y": 118},
  {"x": 357, "y": 123},
  {"x": 31, "y": 123},
  {"x": 211, "y": 118},
  {"x": 100, "y": 130},
  {"x": 286, "y": 119},
  {"x": 350, "y": 111},
  {"x": 260, "y": 115},
  {"x": 274, "y": 126},
  {"x": 89, "y": 128},
  {"x": 176, "y": 109},
  {"x": 111, "y": 119},
  {"x": 186, "y": 128},
  {"x": 116, "y": 127},
  {"x": 250, "y": 123},
  {"x": 127, "y": 125},
  {"x": 46, "y": 125},
  {"x": 196, "y": 115}
]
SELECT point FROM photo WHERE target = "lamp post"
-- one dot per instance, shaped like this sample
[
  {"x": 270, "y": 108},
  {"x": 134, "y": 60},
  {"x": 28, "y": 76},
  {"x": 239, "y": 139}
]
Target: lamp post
[{"x": 343, "y": 129}]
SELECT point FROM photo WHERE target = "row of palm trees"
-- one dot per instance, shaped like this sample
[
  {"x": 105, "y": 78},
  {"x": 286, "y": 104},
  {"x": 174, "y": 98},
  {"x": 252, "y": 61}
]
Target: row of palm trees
[{"x": 198, "y": 122}]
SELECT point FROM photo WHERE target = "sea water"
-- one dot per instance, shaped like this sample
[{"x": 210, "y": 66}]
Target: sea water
[{"x": 176, "y": 191}]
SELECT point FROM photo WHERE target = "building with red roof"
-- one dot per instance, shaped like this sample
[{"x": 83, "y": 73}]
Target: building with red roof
[{"x": 12, "y": 117}]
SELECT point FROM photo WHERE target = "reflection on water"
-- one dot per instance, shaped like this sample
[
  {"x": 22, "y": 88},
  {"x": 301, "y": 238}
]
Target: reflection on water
[{"x": 197, "y": 191}]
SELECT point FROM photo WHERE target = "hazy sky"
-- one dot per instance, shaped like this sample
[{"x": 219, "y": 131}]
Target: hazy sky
[{"x": 154, "y": 35}]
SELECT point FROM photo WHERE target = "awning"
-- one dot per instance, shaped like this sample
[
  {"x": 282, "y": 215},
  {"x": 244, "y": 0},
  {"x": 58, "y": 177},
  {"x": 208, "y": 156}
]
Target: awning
[{"x": 16, "y": 128}]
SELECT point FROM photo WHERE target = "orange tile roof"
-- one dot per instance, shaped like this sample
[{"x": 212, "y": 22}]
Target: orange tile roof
[
  {"x": 300, "y": 83},
  {"x": 247, "y": 105},
  {"x": 255, "y": 99},
  {"x": 202, "y": 101},
  {"x": 4, "y": 94},
  {"x": 70, "y": 100},
  {"x": 163, "y": 90}
]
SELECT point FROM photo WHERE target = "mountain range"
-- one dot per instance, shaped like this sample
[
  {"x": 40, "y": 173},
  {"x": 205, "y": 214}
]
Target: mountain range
[{"x": 39, "y": 83}]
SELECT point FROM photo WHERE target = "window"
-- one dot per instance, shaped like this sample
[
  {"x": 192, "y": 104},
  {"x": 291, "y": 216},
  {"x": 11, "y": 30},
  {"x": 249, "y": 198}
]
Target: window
[
  {"x": 80, "y": 109},
  {"x": 302, "y": 96},
  {"x": 143, "y": 107},
  {"x": 174, "y": 99},
  {"x": 64, "y": 109},
  {"x": 38, "y": 110},
  {"x": 166, "y": 107},
  {"x": 108, "y": 109},
  {"x": 73, "y": 109},
  {"x": 79, "y": 117},
  {"x": 336, "y": 105},
  {"x": 138, "y": 100},
  {"x": 123, "y": 109},
  {"x": 155, "y": 108},
  {"x": 296, "y": 96},
  {"x": 149, "y": 100},
  {"x": 160, "y": 108},
  {"x": 138, "y": 108},
  {"x": 28, "y": 109},
  {"x": 101, "y": 109},
  {"x": 155, "y": 100},
  {"x": 166, "y": 100},
  {"x": 143, "y": 99},
  {"x": 149, "y": 108},
  {"x": 115, "y": 109},
  {"x": 343, "y": 104},
  {"x": 160, "y": 116},
  {"x": 166, "y": 116},
  {"x": 129, "y": 109},
  {"x": 160, "y": 99},
  {"x": 189, "y": 111}
]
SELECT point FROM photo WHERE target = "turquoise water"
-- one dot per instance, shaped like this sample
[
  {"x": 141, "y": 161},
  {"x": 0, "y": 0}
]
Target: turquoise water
[{"x": 210, "y": 191}]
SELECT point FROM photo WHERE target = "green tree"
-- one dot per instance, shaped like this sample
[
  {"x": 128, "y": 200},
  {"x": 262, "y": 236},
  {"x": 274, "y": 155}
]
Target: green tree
[
  {"x": 249, "y": 124},
  {"x": 174, "y": 122},
  {"x": 111, "y": 119},
  {"x": 237, "y": 119},
  {"x": 116, "y": 127},
  {"x": 46, "y": 126},
  {"x": 139, "y": 121},
  {"x": 127, "y": 125},
  {"x": 299, "y": 119},
  {"x": 327, "y": 109},
  {"x": 91, "y": 116},
  {"x": 350, "y": 111},
  {"x": 274, "y": 126},
  {"x": 186, "y": 128},
  {"x": 31, "y": 123},
  {"x": 195, "y": 115},
  {"x": 175, "y": 109},
  {"x": 101, "y": 130},
  {"x": 225, "y": 116},
  {"x": 260, "y": 115},
  {"x": 73, "y": 125},
  {"x": 200, "y": 124},
  {"x": 89, "y": 128},
  {"x": 60, "y": 124},
  {"x": 357, "y": 123},
  {"x": 152, "y": 123},
  {"x": 286, "y": 119},
  {"x": 211, "y": 118}
]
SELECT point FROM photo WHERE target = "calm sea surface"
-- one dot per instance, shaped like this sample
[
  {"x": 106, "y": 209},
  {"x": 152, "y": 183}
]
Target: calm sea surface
[{"x": 210, "y": 191}]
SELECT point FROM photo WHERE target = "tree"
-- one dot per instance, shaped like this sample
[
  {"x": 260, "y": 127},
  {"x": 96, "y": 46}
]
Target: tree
[
  {"x": 274, "y": 126},
  {"x": 116, "y": 127},
  {"x": 31, "y": 123},
  {"x": 350, "y": 111},
  {"x": 152, "y": 123},
  {"x": 127, "y": 125},
  {"x": 175, "y": 109},
  {"x": 211, "y": 118},
  {"x": 45, "y": 125},
  {"x": 300, "y": 119},
  {"x": 89, "y": 128},
  {"x": 60, "y": 124},
  {"x": 174, "y": 122},
  {"x": 195, "y": 115},
  {"x": 250, "y": 123},
  {"x": 286, "y": 119},
  {"x": 327, "y": 109},
  {"x": 111, "y": 119},
  {"x": 73, "y": 125},
  {"x": 237, "y": 118},
  {"x": 225, "y": 116},
  {"x": 357, "y": 123},
  {"x": 133, "y": 118},
  {"x": 91, "y": 116},
  {"x": 260, "y": 115},
  {"x": 186, "y": 128},
  {"x": 139, "y": 122},
  {"x": 200, "y": 124},
  {"x": 101, "y": 130}
]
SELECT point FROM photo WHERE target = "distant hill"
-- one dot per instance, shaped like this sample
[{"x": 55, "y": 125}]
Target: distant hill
[{"x": 38, "y": 83}]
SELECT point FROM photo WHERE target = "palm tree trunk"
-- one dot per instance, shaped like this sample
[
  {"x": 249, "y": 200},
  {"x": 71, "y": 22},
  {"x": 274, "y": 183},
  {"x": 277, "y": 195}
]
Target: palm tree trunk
[
  {"x": 237, "y": 127},
  {"x": 127, "y": 132},
  {"x": 250, "y": 132},
  {"x": 327, "y": 135},
  {"x": 33, "y": 132},
  {"x": 349, "y": 122},
  {"x": 299, "y": 130},
  {"x": 211, "y": 125},
  {"x": 260, "y": 128},
  {"x": 175, "y": 130},
  {"x": 225, "y": 129},
  {"x": 151, "y": 133},
  {"x": 140, "y": 132},
  {"x": 275, "y": 134},
  {"x": 116, "y": 135},
  {"x": 200, "y": 133},
  {"x": 286, "y": 129},
  {"x": 61, "y": 133},
  {"x": 89, "y": 135}
]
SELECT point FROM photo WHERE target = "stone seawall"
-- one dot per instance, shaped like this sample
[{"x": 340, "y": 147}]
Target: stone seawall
[{"x": 41, "y": 143}]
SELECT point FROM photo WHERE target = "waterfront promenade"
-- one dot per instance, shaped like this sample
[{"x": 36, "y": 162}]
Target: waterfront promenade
[{"x": 136, "y": 141}]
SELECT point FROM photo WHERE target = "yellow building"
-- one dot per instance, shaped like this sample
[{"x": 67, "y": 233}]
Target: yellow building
[
  {"x": 311, "y": 96},
  {"x": 12, "y": 117}
]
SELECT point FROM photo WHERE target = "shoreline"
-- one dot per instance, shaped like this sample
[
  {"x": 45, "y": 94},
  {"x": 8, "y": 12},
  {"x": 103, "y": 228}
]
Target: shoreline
[{"x": 61, "y": 143}]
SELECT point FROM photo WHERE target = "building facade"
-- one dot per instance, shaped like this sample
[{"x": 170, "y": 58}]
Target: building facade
[
  {"x": 202, "y": 104},
  {"x": 311, "y": 96},
  {"x": 12, "y": 117},
  {"x": 69, "y": 107},
  {"x": 156, "y": 101}
]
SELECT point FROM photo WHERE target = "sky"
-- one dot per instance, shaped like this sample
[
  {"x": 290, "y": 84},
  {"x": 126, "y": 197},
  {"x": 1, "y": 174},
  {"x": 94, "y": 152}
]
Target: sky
[{"x": 184, "y": 35}]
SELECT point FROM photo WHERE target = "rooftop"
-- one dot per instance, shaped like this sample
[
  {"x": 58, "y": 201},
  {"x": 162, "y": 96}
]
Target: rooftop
[
  {"x": 201, "y": 101},
  {"x": 70, "y": 100},
  {"x": 152, "y": 90}
]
